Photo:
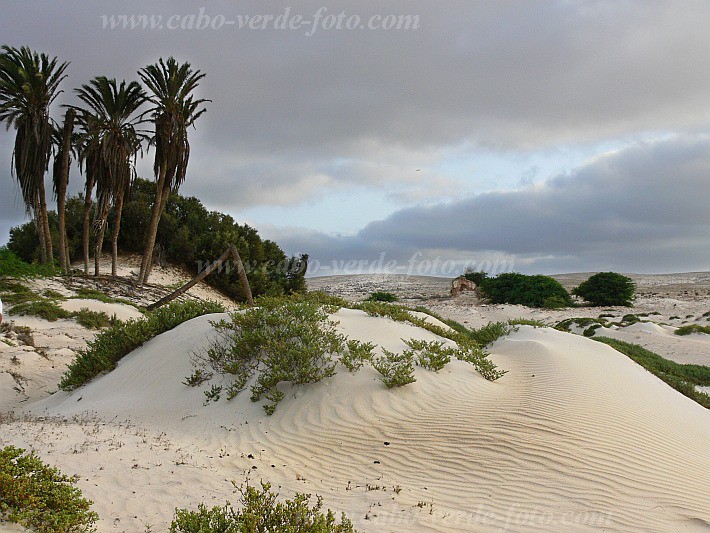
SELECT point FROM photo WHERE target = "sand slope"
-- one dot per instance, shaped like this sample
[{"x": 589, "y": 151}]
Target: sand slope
[{"x": 576, "y": 437}]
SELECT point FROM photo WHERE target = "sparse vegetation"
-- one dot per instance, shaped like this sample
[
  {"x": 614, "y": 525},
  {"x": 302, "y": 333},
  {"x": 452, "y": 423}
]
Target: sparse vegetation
[
  {"x": 39, "y": 496},
  {"x": 45, "y": 309},
  {"x": 489, "y": 333},
  {"x": 431, "y": 355},
  {"x": 85, "y": 293},
  {"x": 356, "y": 354},
  {"x": 261, "y": 512},
  {"x": 112, "y": 344},
  {"x": 527, "y": 322},
  {"x": 532, "y": 291},
  {"x": 607, "y": 288},
  {"x": 692, "y": 328},
  {"x": 397, "y": 369},
  {"x": 683, "y": 378},
  {"x": 92, "y": 319},
  {"x": 280, "y": 340}
]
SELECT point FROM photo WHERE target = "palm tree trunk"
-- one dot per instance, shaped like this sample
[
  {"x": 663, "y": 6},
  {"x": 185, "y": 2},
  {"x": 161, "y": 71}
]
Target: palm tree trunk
[
  {"x": 87, "y": 221},
  {"x": 100, "y": 232},
  {"x": 155, "y": 214},
  {"x": 232, "y": 252},
  {"x": 62, "y": 182},
  {"x": 163, "y": 203},
  {"x": 45, "y": 222},
  {"x": 39, "y": 227},
  {"x": 118, "y": 207}
]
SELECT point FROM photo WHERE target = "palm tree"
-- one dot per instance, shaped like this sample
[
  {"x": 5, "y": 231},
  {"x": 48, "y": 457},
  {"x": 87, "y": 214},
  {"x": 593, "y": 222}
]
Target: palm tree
[
  {"x": 91, "y": 164},
  {"x": 174, "y": 111},
  {"x": 29, "y": 84},
  {"x": 119, "y": 141},
  {"x": 62, "y": 160}
]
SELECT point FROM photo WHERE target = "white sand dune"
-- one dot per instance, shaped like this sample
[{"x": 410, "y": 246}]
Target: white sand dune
[{"x": 576, "y": 437}]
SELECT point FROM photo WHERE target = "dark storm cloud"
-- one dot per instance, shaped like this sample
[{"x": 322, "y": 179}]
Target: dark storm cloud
[
  {"x": 293, "y": 116},
  {"x": 642, "y": 209}
]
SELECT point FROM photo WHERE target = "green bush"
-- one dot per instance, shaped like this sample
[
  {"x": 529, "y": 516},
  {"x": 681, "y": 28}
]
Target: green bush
[
  {"x": 356, "y": 354},
  {"x": 13, "y": 266},
  {"x": 431, "y": 355},
  {"x": 397, "y": 369},
  {"x": 261, "y": 513},
  {"x": 92, "y": 319},
  {"x": 188, "y": 235},
  {"x": 13, "y": 292},
  {"x": 476, "y": 277},
  {"x": 280, "y": 340},
  {"x": 39, "y": 496},
  {"x": 532, "y": 291},
  {"x": 46, "y": 309},
  {"x": 111, "y": 345},
  {"x": 492, "y": 331},
  {"x": 382, "y": 297},
  {"x": 683, "y": 378},
  {"x": 692, "y": 328},
  {"x": 607, "y": 288}
]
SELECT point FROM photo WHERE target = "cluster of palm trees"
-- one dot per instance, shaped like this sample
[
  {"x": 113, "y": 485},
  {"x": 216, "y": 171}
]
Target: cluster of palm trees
[{"x": 107, "y": 142}]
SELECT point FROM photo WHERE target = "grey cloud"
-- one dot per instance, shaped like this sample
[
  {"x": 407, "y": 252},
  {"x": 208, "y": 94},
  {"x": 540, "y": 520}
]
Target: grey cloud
[{"x": 642, "y": 209}]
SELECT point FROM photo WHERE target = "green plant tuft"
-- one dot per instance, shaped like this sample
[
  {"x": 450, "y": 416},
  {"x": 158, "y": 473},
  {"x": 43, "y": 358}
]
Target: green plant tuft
[
  {"x": 382, "y": 297},
  {"x": 261, "y": 512},
  {"x": 692, "y": 328},
  {"x": 397, "y": 369},
  {"x": 39, "y": 496}
]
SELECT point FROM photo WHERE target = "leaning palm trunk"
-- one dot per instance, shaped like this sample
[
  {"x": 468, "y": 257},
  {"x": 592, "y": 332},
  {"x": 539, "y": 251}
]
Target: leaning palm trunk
[
  {"x": 156, "y": 212},
  {"x": 232, "y": 252},
  {"x": 163, "y": 203}
]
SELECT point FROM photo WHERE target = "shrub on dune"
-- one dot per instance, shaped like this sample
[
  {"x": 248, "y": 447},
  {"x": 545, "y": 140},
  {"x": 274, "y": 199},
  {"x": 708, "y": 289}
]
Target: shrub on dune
[
  {"x": 532, "y": 291},
  {"x": 607, "y": 288}
]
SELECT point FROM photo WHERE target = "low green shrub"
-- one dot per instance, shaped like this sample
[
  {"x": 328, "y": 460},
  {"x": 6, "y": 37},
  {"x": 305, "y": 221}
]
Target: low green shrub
[
  {"x": 111, "y": 345},
  {"x": 581, "y": 322},
  {"x": 527, "y": 322},
  {"x": 683, "y": 378},
  {"x": 86, "y": 293},
  {"x": 431, "y": 355},
  {"x": 489, "y": 333},
  {"x": 281, "y": 340},
  {"x": 692, "y": 328},
  {"x": 39, "y": 496},
  {"x": 382, "y": 297},
  {"x": 397, "y": 369},
  {"x": 13, "y": 292},
  {"x": 12, "y": 266},
  {"x": 92, "y": 319},
  {"x": 475, "y": 276},
  {"x": 46, "y": 309},
  {"x": 607, "y": 288},
  {"x": 532, "y": 291},
  {"x": 262, "y": 513},
  {"x": 356, "y": 354}
]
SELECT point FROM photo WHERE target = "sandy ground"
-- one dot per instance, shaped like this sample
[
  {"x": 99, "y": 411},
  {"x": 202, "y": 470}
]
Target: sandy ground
[{"x": 575, "y": 437}]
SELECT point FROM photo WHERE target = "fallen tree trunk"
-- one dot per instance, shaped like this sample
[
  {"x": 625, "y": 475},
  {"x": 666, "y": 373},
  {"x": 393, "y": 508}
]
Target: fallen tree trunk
[{"x": 232, "y": 252}]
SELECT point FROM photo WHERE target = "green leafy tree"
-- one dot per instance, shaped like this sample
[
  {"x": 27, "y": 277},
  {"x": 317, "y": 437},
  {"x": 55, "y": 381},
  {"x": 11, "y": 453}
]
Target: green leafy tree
[
  {"x": 533, "y": 291},
  {"x": 607, "y": 288},
  {"x": 29, "y": 83}
]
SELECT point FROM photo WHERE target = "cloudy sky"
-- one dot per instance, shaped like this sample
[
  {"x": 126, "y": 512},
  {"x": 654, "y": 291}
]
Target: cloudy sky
[{"x": 542, "y": 136}]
